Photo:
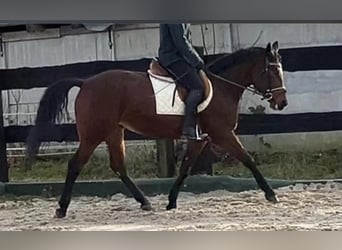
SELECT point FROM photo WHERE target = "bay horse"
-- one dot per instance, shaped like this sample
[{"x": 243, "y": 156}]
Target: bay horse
[{"x": 115, "y": 100}]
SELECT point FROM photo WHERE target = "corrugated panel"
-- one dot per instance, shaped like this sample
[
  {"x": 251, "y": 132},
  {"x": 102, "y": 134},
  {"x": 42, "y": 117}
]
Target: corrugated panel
[
  {"x": 103, "y": 50},
  {"x": 4, "y": 93},
  {"x": 135, "y": 44},
  {"x": 58, "y": 51},
  {"x": 46, "y": 52},
  {"x": 215, "y": 37},
  {"x": 290, "y": 35},
  {"x": 24, "y": 35}
]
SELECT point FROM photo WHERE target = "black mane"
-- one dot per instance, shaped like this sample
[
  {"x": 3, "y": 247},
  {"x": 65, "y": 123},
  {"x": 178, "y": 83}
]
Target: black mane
[{"x": 226, "y": 61}]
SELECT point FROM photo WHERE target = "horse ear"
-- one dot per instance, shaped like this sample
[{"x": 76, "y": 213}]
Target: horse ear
[
  {"x": 268, "y": 48},
  {"x": 275, "y": 46}
]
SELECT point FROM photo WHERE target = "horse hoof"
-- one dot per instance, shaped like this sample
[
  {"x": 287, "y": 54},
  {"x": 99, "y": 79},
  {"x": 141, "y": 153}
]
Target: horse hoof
[
  {"x": 146, "y": 207},
  {"x": 171, "y": 205},
  {"x": 60, "y": 213},
  {"x": 272, "y": 198}
]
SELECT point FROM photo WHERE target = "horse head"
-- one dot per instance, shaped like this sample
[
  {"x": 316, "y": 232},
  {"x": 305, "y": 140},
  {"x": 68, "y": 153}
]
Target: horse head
[{"x": 268, "y": 78}]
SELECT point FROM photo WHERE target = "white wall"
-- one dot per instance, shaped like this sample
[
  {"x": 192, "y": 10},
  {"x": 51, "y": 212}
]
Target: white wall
[
  {"x": 290, "y": 35},
  {"x": 48, "y": 52},
  {"x": 144, "y": 42},
  {"x": 312, "y": 91},
  {"x": 50, "y": 48}
]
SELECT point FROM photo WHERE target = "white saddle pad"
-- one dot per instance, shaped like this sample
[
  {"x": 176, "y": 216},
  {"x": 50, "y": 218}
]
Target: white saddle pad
[{"x": 164, "y": 88}]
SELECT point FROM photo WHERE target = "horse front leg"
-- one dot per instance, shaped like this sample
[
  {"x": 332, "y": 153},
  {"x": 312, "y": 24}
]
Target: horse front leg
[
  {"x": 194, "y": 149},
  {"x": 231, "y": 143}
]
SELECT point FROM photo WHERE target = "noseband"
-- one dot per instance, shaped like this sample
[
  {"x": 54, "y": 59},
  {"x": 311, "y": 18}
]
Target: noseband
[{"x": 268, "y": 93}]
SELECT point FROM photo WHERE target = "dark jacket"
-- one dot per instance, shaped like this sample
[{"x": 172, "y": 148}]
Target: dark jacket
[{"x": 175, "y": 45}]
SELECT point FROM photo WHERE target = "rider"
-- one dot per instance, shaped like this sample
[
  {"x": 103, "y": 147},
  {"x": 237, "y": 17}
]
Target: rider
[{"x": 178, "y": 56}]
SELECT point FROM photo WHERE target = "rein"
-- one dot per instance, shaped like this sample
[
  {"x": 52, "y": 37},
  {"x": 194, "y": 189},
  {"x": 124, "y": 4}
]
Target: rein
[
  {"x": 266, "y": 95},
  {"x": 251, "y": 89}
]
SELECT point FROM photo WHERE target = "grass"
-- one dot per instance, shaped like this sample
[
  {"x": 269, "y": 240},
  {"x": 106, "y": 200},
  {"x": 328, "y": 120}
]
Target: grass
[
  {"x": 141, "y": 162},
  {"x": 289, "y": 165}
]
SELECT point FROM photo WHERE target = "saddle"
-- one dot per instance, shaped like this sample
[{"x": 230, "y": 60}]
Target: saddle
[{"x": 157, "y": 69}]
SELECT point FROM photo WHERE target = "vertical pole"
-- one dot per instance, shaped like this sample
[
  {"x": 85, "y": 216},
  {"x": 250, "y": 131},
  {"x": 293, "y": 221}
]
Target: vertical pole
[
  {"x": 3, "y": 155},
  {"x": 114, "y": 49},
  {"x": 165, "y": 158},
  {"x": 234, "y": 37}
]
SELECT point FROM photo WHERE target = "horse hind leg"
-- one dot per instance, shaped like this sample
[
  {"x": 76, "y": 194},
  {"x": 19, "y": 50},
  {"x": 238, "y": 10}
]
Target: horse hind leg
[
  {"x": 116, "y": 147},
  {"x": 75, "y": 165}
]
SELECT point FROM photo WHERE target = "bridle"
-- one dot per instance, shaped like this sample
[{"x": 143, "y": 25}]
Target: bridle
[{"x": 268, "y": 93}]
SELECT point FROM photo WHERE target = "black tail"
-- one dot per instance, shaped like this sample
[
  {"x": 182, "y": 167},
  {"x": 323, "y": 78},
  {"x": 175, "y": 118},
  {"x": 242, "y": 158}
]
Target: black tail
[{"x": 52, "y": 104}]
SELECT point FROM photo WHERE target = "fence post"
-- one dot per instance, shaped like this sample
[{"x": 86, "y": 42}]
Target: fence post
[
  {"x": 165, "y": 158},
  {"x": 3, "y": 155}
]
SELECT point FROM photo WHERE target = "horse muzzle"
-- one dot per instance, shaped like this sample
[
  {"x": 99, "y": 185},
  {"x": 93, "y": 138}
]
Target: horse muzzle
[{"x": 277, "y": 106}]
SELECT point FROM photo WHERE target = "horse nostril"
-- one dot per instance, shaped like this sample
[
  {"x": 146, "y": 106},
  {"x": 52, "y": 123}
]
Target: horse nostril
[{"x": 282, "y": 105}]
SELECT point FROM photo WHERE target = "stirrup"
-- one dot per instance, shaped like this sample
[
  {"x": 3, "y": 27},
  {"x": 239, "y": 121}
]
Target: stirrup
[{"x": 197, "y": 137}]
